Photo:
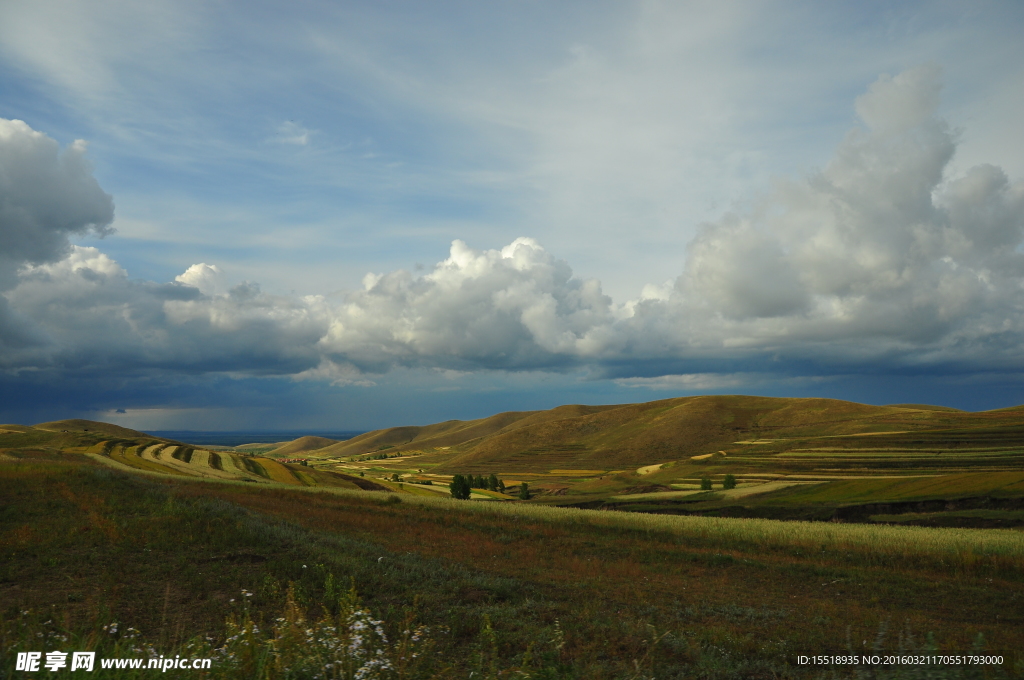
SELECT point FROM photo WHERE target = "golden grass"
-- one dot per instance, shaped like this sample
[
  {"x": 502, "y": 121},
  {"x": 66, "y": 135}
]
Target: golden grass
[
  {"x": 278, "y": 472},
  {"x": 129, "y": 456},
  {"x": 962, "y": 550}
]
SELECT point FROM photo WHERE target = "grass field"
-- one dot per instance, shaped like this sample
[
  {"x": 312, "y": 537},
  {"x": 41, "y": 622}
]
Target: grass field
[
  {"x": 253, "y": 562},
  {"x": 564, "y": 592}
]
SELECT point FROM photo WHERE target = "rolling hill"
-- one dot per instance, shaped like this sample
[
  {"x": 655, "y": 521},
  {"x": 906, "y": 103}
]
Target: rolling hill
[
  {"x": 862, "y": 461},
  {"x": 302, "y": 445},
  {"x": 630, "y": 435}
]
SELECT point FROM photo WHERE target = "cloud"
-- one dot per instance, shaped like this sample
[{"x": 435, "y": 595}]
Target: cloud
[
  {"x": 878, "y": 263},
  {"x": 96, "y": 318},
  {"x": 208, "y": 278},
  {"x": 46, "y": 195},
  {"x": 514, "y": 308}
]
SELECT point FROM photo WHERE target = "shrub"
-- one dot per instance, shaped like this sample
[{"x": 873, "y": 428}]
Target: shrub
[
  {"x": 705, "y": 484},
  {"x": 729, "y": 483}
]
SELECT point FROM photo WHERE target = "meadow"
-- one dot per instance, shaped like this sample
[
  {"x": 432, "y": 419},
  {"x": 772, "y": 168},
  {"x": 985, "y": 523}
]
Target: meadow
[
  {"x": 352, "y": 566},
  {"x": 500, "y": 589}
]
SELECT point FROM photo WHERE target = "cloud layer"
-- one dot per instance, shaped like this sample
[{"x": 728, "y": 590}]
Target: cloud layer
[{"x": 879, "y": 262}]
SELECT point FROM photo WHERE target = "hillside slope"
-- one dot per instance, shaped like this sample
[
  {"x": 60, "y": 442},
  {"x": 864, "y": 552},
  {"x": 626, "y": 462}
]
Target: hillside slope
[
  {"x": 629, "y": 435},
  {"x": 79, "y": 425},
  {"x": 302, "y": 445}
]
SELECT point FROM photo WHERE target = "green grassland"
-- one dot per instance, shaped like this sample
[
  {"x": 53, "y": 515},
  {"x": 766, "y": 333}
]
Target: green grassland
[
  {"x": 241, "y": 572},
  {"x": 916, "y": 515}
]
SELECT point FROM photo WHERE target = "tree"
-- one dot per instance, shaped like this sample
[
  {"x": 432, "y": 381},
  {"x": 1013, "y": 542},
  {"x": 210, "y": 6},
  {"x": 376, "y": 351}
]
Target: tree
[
  {"x": 501, "y": 486},
  {"x": 524, "y": 492},
  {"x": 492, "y": 482},
  {"x": 705, "y": 484},
  {"x": 729, "y": 483},
  {"x": 459, "y": 487}
]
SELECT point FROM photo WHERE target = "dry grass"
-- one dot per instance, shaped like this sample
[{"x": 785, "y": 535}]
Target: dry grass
[
  {"x": 277, "y": 472},
  {"x": 960, "y": 550}
]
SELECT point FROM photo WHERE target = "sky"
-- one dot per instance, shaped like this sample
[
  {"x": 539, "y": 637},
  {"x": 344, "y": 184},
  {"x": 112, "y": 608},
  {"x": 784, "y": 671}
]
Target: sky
[{"x": 344, "y": 216}]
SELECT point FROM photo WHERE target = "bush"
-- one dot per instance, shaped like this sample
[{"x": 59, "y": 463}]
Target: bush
[
  {"x": 705, "y": 484},
  {"x": 729, "y": 483}
]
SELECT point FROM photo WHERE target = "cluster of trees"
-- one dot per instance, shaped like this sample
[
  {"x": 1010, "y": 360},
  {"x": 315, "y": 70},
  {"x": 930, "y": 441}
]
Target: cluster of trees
[
  {"x": 728, "y": 483},
  {"x": 462, "y": 485}
]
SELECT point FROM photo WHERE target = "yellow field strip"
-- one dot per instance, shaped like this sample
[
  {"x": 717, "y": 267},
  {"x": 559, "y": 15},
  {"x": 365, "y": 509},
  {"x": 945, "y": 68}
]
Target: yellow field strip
[
  {"x": 201, "y": 459},
  {"x": 129, "y": 456},
  {"x": 430, "y": 487},
  {"x": 230, "y": 464},
  {"x": 830, "y": 478},
  {"x": 150, "y": 453},
  {"x": 200, "y": 465},
  {"x": 717, "y": 494},
  {"x": 278, "y": 472}
]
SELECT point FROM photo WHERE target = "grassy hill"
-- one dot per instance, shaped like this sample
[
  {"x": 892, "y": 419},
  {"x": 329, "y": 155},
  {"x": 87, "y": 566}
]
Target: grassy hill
[
  {"x": 589, "y": 437},
  {"x": 78, "y": 425},
  {"x": 302, "y": 445},
  {"x": 652, "y": 456}
]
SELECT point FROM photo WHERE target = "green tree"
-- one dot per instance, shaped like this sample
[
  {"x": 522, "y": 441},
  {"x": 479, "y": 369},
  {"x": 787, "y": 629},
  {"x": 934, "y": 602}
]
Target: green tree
[
  {"x": 729, "y": 483},
  {"x": 492, "y": 482},
  {"x": 501, "y": 486},
  {"x": 705, "y": 484},
  {"x": 459, "y": 487},
  {"x": 524, "y": 492}
]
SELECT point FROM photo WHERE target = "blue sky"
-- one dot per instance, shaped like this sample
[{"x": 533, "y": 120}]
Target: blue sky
[{"x": 352, "y": 215}]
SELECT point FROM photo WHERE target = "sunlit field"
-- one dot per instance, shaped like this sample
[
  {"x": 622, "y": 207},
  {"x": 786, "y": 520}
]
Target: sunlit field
[{"x": 276, "y": 581}]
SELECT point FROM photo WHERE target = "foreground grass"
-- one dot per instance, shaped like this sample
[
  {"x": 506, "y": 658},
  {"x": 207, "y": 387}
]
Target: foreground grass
[{"x": 501, "y": 589}]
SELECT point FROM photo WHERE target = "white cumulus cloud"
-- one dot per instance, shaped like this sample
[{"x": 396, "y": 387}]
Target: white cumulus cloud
[
  {"x": 208, "y": 278},
  {"x": 880, "y": 261}
]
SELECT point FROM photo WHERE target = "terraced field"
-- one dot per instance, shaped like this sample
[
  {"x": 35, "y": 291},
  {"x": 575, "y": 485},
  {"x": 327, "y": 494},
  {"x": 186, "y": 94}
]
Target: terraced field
[{"x": 185, "y": 461}]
